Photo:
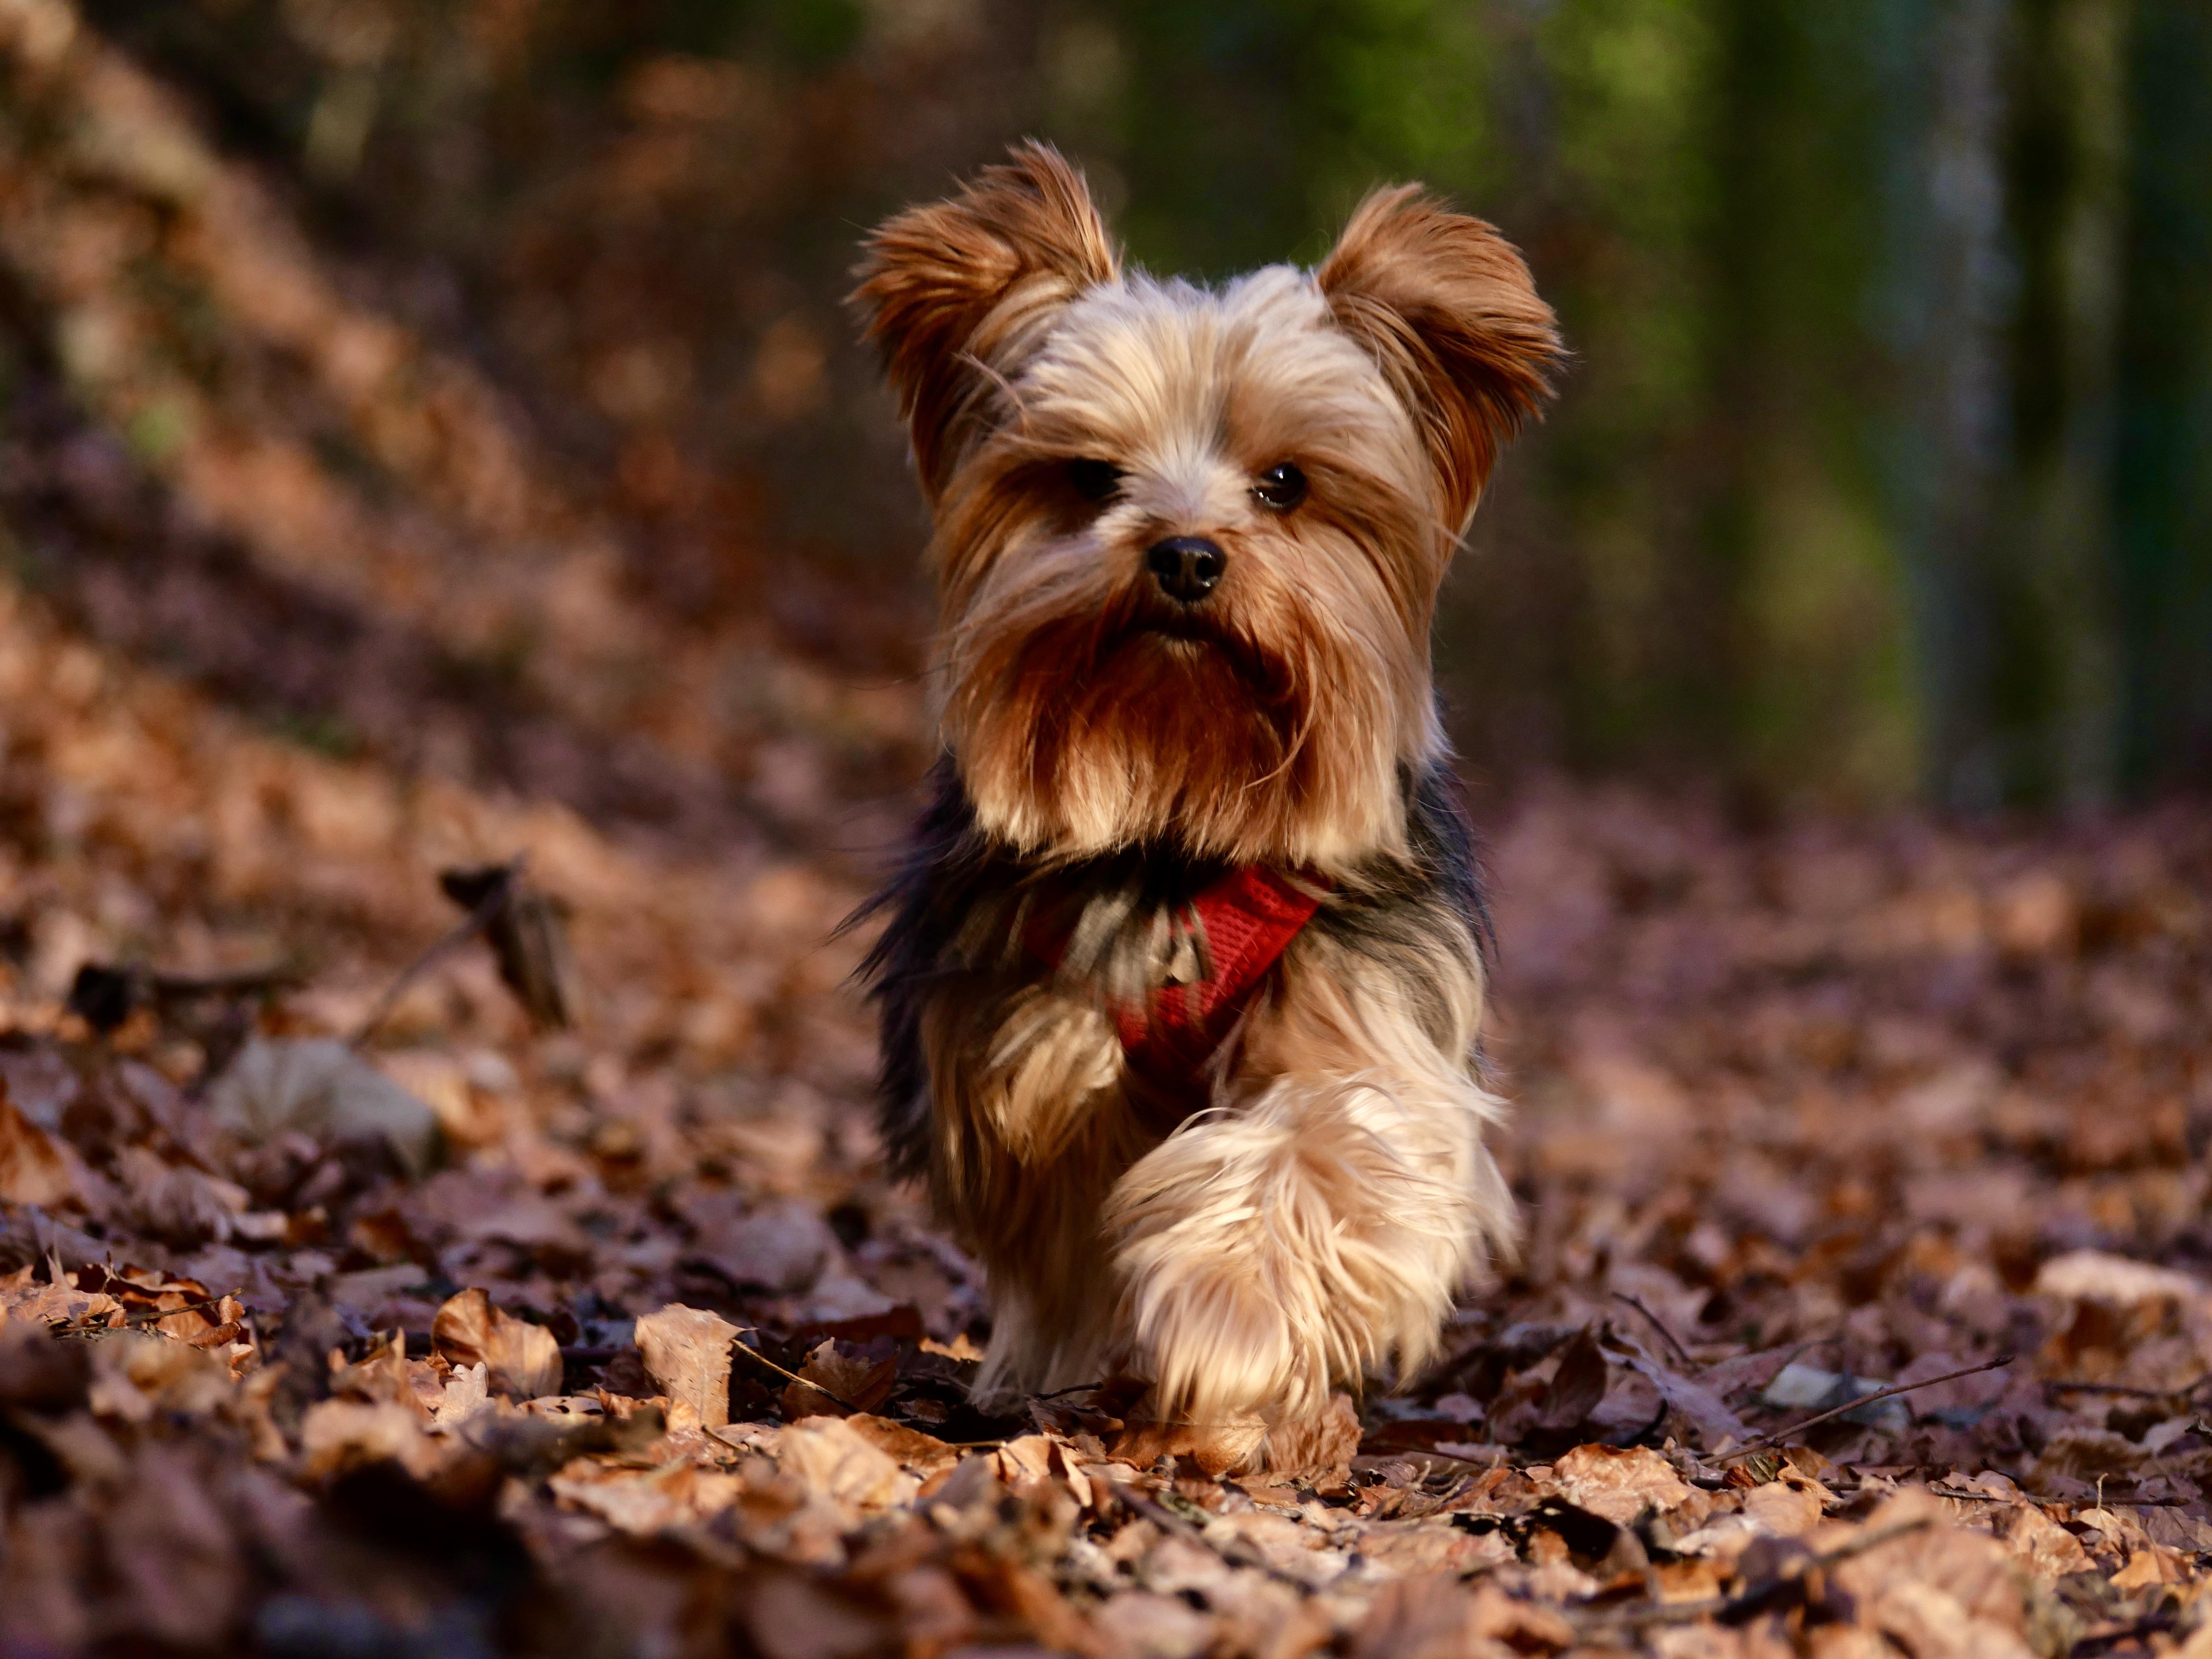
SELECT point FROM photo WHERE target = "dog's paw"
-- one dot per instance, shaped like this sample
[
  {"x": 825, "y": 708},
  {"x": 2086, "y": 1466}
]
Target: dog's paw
[{"x": 1220, "y": 1329}]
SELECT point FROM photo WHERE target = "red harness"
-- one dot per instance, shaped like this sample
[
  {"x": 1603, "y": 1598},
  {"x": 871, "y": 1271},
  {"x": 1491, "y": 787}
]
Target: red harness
[{"x": 1247, "y": 920}]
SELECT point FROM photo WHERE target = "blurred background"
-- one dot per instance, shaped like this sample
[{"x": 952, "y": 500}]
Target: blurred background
[{"x": 464, "y": 383}]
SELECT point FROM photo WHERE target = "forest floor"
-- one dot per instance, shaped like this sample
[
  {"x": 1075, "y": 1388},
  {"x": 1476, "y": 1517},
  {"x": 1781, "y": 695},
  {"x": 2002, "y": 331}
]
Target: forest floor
[
  {"x": 348, "y": 1311},
  {"x": 319, "y": 1350}
]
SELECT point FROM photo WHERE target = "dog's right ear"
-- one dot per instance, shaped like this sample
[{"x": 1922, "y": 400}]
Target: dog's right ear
[{"x": 954, "y": 294}]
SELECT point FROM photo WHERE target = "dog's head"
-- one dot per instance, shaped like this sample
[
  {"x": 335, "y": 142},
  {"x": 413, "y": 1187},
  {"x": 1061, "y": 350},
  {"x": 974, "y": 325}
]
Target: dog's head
[{"x": 1188, "y": 540}]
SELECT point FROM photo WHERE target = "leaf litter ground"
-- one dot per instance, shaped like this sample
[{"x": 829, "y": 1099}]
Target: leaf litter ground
[
  {"x": 355, "y": 1307},
  {"x": 483, "y": 1337}
]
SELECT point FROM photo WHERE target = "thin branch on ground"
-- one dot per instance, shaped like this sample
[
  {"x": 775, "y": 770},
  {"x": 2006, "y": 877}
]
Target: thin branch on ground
[
  {"x": 468, "y": 926},
  {"x": 1657, "y": 1324},
  {"x": 808, "y": 1381},
  {"x": 1875, "y": 1399}
]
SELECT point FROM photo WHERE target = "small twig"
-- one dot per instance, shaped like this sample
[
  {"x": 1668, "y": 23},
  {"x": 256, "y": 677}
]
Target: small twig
[
  {"x": 1657, "y": 1324},
  {"x": 155, "y": 1315},
  {"x": 755, "y": 1353},
  {"x": 104, "y": 996},
  {"x": 1751, "y": 1600},
  {"x": 1074, "y": 1388},
  {"x": 468, "y": 926},
  {"x": 1876, "y": 1398}
]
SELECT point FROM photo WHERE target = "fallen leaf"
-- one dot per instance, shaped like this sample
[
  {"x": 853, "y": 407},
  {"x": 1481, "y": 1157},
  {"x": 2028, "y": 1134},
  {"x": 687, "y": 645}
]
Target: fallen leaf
[
  {"x": 338, "y": 1435},
  {"x": 834, "y": 1381},
  {"x": 2047, "y": 1549},
  {"x": 32, "y": 1167},
  {"x": 2099, "y": 1276},
  {"x": 320, "y": 1087},
  {"x": 781, "y": 1248},
  {"x": 837, "y": 1460},
  {"x": 1622, "y": 1484},
  {"x": 646, "y": 1501},
  {"x": 686, "y": 1351},
  {"x": 1319, "y": 1449},
  {"x": 521, "y": 1360},
  {"x": 923, "y": 1455}
]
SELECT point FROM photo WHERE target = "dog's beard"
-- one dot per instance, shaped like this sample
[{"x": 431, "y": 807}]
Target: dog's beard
[{"x": 1085, "y": 722}]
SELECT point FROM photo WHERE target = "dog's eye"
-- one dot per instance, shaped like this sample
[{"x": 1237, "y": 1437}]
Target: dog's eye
[
  {"x": 1094, "y": 480},
  {"x": 1281, "y": 487}
]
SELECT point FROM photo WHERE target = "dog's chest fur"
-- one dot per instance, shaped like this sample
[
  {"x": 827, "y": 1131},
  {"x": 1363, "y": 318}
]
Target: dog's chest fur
[{"x": 1007, "y": 953}]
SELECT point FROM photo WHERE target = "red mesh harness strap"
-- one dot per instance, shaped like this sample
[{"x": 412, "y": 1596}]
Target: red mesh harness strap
[{"x": 1246, "y": 919}]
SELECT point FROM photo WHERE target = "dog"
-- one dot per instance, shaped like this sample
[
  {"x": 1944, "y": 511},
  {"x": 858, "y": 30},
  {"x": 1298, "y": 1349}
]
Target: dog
[{"x": 1183, "y": 980}]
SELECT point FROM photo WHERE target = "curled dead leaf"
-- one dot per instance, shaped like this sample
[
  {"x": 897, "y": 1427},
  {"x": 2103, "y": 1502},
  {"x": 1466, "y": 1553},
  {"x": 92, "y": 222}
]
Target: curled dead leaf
[
  {"x": 521, "y": 1360},
  {"x": 832, "y": 1382},
  {"x": 33, "y": 1169}
]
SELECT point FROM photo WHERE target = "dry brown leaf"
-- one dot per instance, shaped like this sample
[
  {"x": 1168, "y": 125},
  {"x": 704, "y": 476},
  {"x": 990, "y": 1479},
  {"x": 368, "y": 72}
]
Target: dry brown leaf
[
  {"x": 1789, "y": 1506},
  {"x": 57, "y": 1303},
  {"x": 2100, "y": 1276},
  {"x": 180, "y": 1569},
  {"x": 381, "y": 1375},
  {"x": 338, "y": 1435},
  {"x": 837, "y": 1460},
  {"x": 138, "y": 1374},
  {"x": 1621, "y": 1484},
  {"x": 833, "y": 1381},
  {"x": 1317, "y": 1449},
  {"x": 782, "y": 1248},
  {"x": 1034, "y": 1463},
  {"x": 522, "y": 1360},
  {"x": 33, "y": 1169},
  {"x": 2045, "y": 1548},
  {"x": 1217, "y": 1448},
  {"x": 467, "y": 1391},
  {"x": 687, "y": 1351},
  {"x": 1939, "y": 1590},
  {"x": 920, "y": 1454},
  {"x": 646, "y": 1501}
]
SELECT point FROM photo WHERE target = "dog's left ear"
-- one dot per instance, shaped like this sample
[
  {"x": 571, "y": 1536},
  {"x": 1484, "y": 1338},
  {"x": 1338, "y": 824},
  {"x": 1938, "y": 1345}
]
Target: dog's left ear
[
  {"x": 955, "y": 294},
  {"x": 1446, "y": 305}
]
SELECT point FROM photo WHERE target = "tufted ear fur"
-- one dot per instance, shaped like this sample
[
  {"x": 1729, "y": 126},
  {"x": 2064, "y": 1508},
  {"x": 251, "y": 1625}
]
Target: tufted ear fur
[
  {"x": 954, "y": 293},
  {"x": 1445, "y": 304}
]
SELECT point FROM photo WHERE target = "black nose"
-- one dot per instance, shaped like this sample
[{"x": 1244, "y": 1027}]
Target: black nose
[{"x": 1186, "y": 567}]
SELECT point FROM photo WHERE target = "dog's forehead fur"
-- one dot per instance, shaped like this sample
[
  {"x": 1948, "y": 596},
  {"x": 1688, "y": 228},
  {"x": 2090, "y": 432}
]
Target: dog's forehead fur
[{"x": 1254, "y": 368}]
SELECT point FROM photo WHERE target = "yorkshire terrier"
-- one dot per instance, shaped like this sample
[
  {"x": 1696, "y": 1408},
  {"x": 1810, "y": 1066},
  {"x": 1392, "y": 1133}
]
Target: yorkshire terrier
[{"x": 1183, "y": 977}]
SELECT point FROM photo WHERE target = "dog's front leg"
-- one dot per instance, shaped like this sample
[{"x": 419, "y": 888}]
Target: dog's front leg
[{"x": 1317, "y": 1223}]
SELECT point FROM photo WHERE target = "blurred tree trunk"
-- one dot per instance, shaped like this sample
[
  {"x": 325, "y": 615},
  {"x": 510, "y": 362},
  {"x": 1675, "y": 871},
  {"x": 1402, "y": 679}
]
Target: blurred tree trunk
[
  {"x": 2047, "y": 704},
  {"x": 1939, "y": 303},
  {"x": 2162, "y": 477},
  {"x": 1802, "y": 664}
]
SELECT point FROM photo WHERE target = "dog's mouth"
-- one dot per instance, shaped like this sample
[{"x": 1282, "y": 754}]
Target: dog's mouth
[{"x": 1190, "y": 637}]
